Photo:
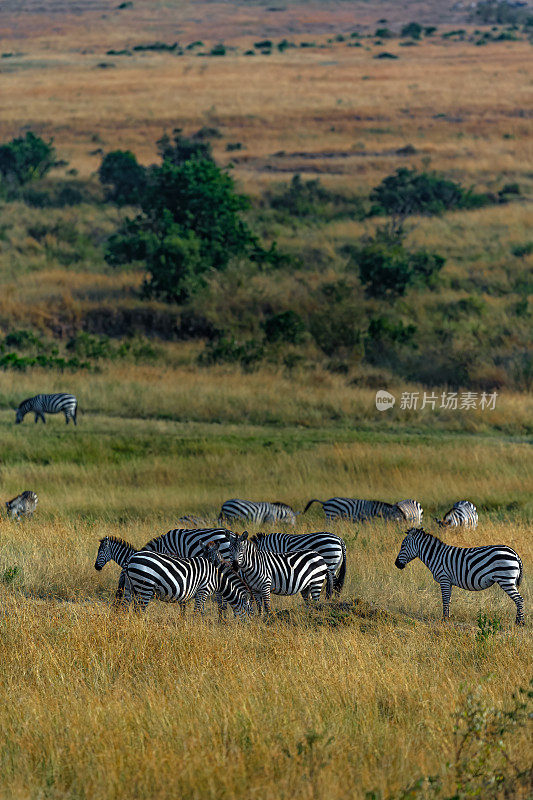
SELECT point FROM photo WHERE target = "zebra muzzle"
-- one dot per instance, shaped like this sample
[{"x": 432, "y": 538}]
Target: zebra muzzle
[{"x": 399, "y": 564}]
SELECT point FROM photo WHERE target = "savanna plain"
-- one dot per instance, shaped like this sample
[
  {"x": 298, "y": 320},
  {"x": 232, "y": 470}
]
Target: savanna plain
[{"x": 366, "y": 697}]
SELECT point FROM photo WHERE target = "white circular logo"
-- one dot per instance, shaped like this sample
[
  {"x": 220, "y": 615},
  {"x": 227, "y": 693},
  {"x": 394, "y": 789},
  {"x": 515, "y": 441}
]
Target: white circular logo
[{"x": 384, "y": 400}]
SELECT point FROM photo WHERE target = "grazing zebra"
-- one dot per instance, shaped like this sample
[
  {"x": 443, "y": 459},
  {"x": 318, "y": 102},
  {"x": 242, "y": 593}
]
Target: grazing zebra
[
  {"x": 332, "y": 549},
  {"x": 49, "y": 404},
  {"x": 463, "y": 513},
  {"x": 357, "y": 510},
  {"x": 22, "y": 506},
  {"x": 259, "y": 513},
  {"x": 411, "y": 509},
  {"x": 471, "y": 568},
  {"x": 173, "y": 579},
  {"x": 280, "y": 573}
]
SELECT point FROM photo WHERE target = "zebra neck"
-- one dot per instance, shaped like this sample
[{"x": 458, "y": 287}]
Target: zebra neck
[
  {"x": 431, "y": 549},
  {"x": 121, "y": 552}
]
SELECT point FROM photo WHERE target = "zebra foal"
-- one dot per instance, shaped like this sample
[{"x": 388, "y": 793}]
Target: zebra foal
[
  {"x": 332, "y": 549},
  {"x": 279, "y": 573},
  {"x": 463, "y": 513},
  {"x": 358, "y": 510},
  {"x": 260, "y": 513},
  {"x": 23, "y": 505},
  {"x": 471, "y": 568},
  {"x": 43, "y": 404}
]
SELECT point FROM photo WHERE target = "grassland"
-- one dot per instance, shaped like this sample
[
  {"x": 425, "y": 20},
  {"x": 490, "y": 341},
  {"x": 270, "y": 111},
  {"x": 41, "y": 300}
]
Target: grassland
[
  {"x": 330, "y": 704},
  {"x": 95, "y": 704}
]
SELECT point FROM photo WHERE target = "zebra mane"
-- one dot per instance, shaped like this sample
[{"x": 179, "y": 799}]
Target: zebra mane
[
  {"x": 256, "y": 537},
  {"x": 153, "y": 541},
  {"x": 424, "y": 533},
  {"x": 117, "y": 539}
]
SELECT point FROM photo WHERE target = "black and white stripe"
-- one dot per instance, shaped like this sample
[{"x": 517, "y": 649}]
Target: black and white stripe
[
  {"x": 332, "y": 549},
  {"x": 43, "y": 404},
  {"x": 472, "y": 568},
  {"x": 259, "y": 513},
  {"x": 189, "y": 542},
  {"x": 463, "y": 513},
  {"x": 23, "y": 505},
  {"x": 358, "y": 510},
  {"x": 173, "y": 579},
  {"x": 279, "y": 573},
  {"x": 411, "y": 509}
]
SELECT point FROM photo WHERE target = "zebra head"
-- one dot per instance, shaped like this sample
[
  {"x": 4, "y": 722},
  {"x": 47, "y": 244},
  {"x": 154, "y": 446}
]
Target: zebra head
[
  {"x": 104, "y": 554},
  {"x": 20, "y": 416},
  {"x": 237, "y": 548},
  {"x": 211, "y": 551},
  {"x": 408, "y": 548}
]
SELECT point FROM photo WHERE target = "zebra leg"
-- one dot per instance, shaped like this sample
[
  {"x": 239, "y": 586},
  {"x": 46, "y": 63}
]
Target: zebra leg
[
  {"x": 119, "y": 594},
  {"x": 265, "y": 596},
  {"x": 516, "y": 597},
  {"x": 199, "y": 601},
  {"x": 446, "y": 589}
]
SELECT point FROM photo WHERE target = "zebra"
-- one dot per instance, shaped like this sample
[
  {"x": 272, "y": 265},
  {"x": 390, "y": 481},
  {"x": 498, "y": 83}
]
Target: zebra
[
  {"x": 259, "y": 513},
  {"x": 332, "y": 549},
  {"x": 174, "y": 579},
  {"x": 23, "y": 505},
  {"x": 281, "y": 573},
  {"x": 182, "y": 542},
  {"x": 411, "y": 509},
  {"x": 472, "y": 568},
  {"x": 49, "y": 404},
  {"x": 463, "y": 513},
  {"x": 357, "y": 510}
]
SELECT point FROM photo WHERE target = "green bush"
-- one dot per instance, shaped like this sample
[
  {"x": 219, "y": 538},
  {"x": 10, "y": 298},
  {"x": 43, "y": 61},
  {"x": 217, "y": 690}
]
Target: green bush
[
  {"x": 26, "y": 159},
  {"x": 412, "y": 30},
  {"x": 337, "y": 327},
  {"x": 287, "y": 326},
  {"x": 410, "y": 192},
  {"x": 123, "y": 177},
  {"x": 181, "y": 148},
  {"x": 226, "y": 350},
  {"x": 310, "y": 199}
]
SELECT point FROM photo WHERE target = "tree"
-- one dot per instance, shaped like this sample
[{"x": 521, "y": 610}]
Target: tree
[
  {"x": 189, "y": 223},
  {"x": 413, "y": 30},
  {"x": 26, "y": 159},
  {"x": 124, "y": 176}
]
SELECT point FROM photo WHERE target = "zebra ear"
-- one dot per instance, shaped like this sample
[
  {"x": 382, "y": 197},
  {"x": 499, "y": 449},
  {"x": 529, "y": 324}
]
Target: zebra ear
[{"x": 244, "y": 536}]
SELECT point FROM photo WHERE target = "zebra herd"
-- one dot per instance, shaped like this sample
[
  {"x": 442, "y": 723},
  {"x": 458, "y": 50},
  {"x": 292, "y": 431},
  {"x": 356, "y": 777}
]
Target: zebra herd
[{"x": 195, "y": 562}]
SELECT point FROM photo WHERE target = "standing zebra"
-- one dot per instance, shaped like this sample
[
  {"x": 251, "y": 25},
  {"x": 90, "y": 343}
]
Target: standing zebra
[
  {"x": 332, "y": 549},
  {"x": 49, "y": 404},
  {"x": 183, "y": 542},
  {"x": 411, "y": 509},
  {"x": 259, "y": 513},
  {"x": 472, "y": 568},
  {"x": 463, "y": 513},
  {"x": 357, "y": 510},
  {"x": 173, "y": 579},
  {"x": 281, "y": 573},
  {"x": 23, "y": 505}
]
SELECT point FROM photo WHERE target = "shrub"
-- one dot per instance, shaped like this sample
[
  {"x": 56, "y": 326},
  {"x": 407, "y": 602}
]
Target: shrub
[
  {"x": 411, "y": 192},
  {"x": 337, "y": 329},
  {"x": 412, "y": 30},
  {"x": 123, "y": 177},
  {"x": 218, "y": 50},
  {"x": 26, "y": 159},
  {"x": 304, "y": 199},
  {"x": 226, "y": 350},
  {"x": 384, "y": 33},
  {"x": 387, "y": 269},
  {"x": 288, "y": 326},
  {"x": 182, "y": 148},
  {"x": 385, "y": 55}
]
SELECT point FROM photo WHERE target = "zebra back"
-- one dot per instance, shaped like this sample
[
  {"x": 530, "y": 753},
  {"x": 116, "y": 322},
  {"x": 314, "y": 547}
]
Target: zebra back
[
  {"x": 189, "y": 542},
  {"x": 22, "y": 505},
  {"x": 463, "y": 513},
  {"x": 257, "y": 512},
  {"x": 360, "y": 510}
]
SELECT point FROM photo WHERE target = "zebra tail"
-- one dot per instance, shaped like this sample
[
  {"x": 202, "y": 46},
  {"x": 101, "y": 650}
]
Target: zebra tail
[
  {"x": 519, "y": 579},
  {"x": 311, "y": 503},
  {"x": 339, "y": 579},
  {"x": 329, "y": 584}
]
